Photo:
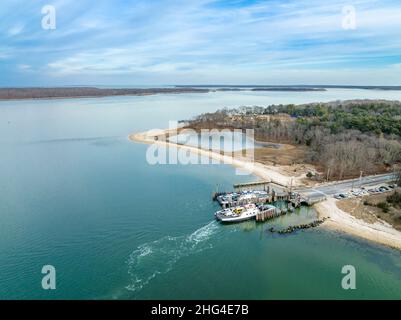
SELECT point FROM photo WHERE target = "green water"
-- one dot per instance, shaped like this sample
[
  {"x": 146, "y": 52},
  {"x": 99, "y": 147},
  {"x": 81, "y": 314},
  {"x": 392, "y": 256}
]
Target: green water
[{"x": 76, "y": 194}]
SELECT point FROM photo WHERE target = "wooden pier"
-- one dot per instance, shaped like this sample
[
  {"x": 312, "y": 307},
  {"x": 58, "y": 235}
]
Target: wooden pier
[
  {"x": 271, "y": 212},
  {"x": 252, "y": 185},
  {"x": 267, "y": 213}
]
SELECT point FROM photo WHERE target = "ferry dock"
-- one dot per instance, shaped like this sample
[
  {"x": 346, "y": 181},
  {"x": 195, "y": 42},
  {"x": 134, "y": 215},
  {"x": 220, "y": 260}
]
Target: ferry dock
[{"x": 262, "y": 195}]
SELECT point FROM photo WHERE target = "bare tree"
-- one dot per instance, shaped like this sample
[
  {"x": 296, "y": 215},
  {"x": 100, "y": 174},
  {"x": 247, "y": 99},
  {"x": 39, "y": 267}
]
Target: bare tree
[{"x": 398, "y": 176}]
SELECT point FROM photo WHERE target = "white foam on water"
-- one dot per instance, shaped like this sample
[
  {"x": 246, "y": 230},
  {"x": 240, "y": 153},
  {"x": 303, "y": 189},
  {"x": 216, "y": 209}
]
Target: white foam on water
[
  {"x": 145, "y": 251},
  {"x": 159, "y": 257},
  {"x": 203, "y": 234}
]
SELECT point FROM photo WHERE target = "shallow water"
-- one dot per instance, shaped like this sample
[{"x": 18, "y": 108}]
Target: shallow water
[
  {"x": 77, "y": 194},
  {"x": 222, "y": 141}
]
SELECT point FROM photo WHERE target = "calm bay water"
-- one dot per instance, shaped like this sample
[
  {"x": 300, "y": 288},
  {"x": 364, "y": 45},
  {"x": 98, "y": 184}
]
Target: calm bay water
[{"x": 76, "y": 194}]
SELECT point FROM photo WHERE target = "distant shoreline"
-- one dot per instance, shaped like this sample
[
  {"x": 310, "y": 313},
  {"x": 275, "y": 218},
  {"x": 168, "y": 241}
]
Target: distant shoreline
[
  {"x": 294, "y": 87},
  {"x": 38, "y": 93},
  {"x": 85, "y": 92}
]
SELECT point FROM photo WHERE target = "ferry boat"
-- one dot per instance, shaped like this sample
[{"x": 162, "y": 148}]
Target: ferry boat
[
  {"x": 237, "y": 214},
  {"x": 244, "y": 196}
]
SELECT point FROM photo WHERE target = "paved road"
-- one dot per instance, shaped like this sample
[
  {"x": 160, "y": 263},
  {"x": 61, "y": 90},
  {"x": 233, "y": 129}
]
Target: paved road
[{"x": 345, "y": 186}]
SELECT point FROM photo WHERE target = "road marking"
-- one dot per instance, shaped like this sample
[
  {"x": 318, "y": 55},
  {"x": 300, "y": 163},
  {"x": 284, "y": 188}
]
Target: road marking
[
  {"x": 321, "y": 192},
  {"x": 341, "y": 186}
]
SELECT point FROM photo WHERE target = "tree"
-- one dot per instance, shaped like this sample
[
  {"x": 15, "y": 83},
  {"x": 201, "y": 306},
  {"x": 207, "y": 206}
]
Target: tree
[{"x": 398, "y": 176}]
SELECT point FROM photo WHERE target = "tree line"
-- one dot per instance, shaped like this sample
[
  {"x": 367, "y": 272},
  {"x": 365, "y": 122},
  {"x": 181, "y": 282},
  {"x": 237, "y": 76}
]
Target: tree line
[{"x": 344, "y": 138}]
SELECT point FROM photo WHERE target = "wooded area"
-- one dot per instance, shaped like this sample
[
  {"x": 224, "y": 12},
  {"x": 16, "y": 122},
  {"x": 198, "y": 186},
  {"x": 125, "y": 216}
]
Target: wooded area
[
  {"x": 344, "y": 138},
  {"x": 82, "y": 92}
]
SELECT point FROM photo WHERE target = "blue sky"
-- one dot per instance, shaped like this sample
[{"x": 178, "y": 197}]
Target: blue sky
[{"x": 157, "y": 42}]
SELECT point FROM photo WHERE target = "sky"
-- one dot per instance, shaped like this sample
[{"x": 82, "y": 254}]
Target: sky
[{"x": 167, "y": 42}]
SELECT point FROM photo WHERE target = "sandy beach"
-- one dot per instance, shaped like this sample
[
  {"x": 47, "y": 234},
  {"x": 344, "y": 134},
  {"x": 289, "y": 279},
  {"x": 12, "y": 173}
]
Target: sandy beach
[
  {"x": 263, "y": 172},
  {"x": 378, "y": 232}
]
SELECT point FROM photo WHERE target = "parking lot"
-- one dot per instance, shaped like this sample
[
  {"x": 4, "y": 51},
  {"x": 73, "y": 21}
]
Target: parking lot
[
  {"x": 365, "y": 191},
  {"x": 347, "y": 187}
]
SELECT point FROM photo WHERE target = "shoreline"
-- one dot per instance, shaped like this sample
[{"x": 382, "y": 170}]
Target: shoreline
[
  {"x": 378, "y": 232},
  {"x": 76, "y": 97},
  {"x": 90, "y": 92},
  {"x": 20, "y": 94},
  {"x": 261, "y": 171}
]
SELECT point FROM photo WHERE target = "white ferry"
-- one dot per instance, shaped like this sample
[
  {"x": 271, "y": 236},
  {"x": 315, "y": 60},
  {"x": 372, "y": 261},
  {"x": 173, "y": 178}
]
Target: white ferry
[
  {"x": 237, "y": 214},
  {"x": 245, "y": 196}
]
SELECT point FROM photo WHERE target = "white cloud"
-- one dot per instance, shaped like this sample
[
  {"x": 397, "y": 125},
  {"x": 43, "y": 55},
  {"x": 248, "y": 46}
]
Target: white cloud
[
  {"x": 15, "y": 30},
  {"x": 179, "y": 39},
  {"x": 24, "y": 67}
]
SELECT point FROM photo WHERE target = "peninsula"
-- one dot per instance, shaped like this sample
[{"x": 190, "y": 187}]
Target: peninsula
[{"x": 323, "y": 147}]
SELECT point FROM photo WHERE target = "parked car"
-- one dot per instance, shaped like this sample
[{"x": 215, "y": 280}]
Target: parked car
[{"x": 340, "y": 196}]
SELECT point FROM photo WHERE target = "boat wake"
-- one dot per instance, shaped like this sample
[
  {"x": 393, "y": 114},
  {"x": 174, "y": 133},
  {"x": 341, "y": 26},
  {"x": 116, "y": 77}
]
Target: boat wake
[{"x": 159, "y": 257}]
